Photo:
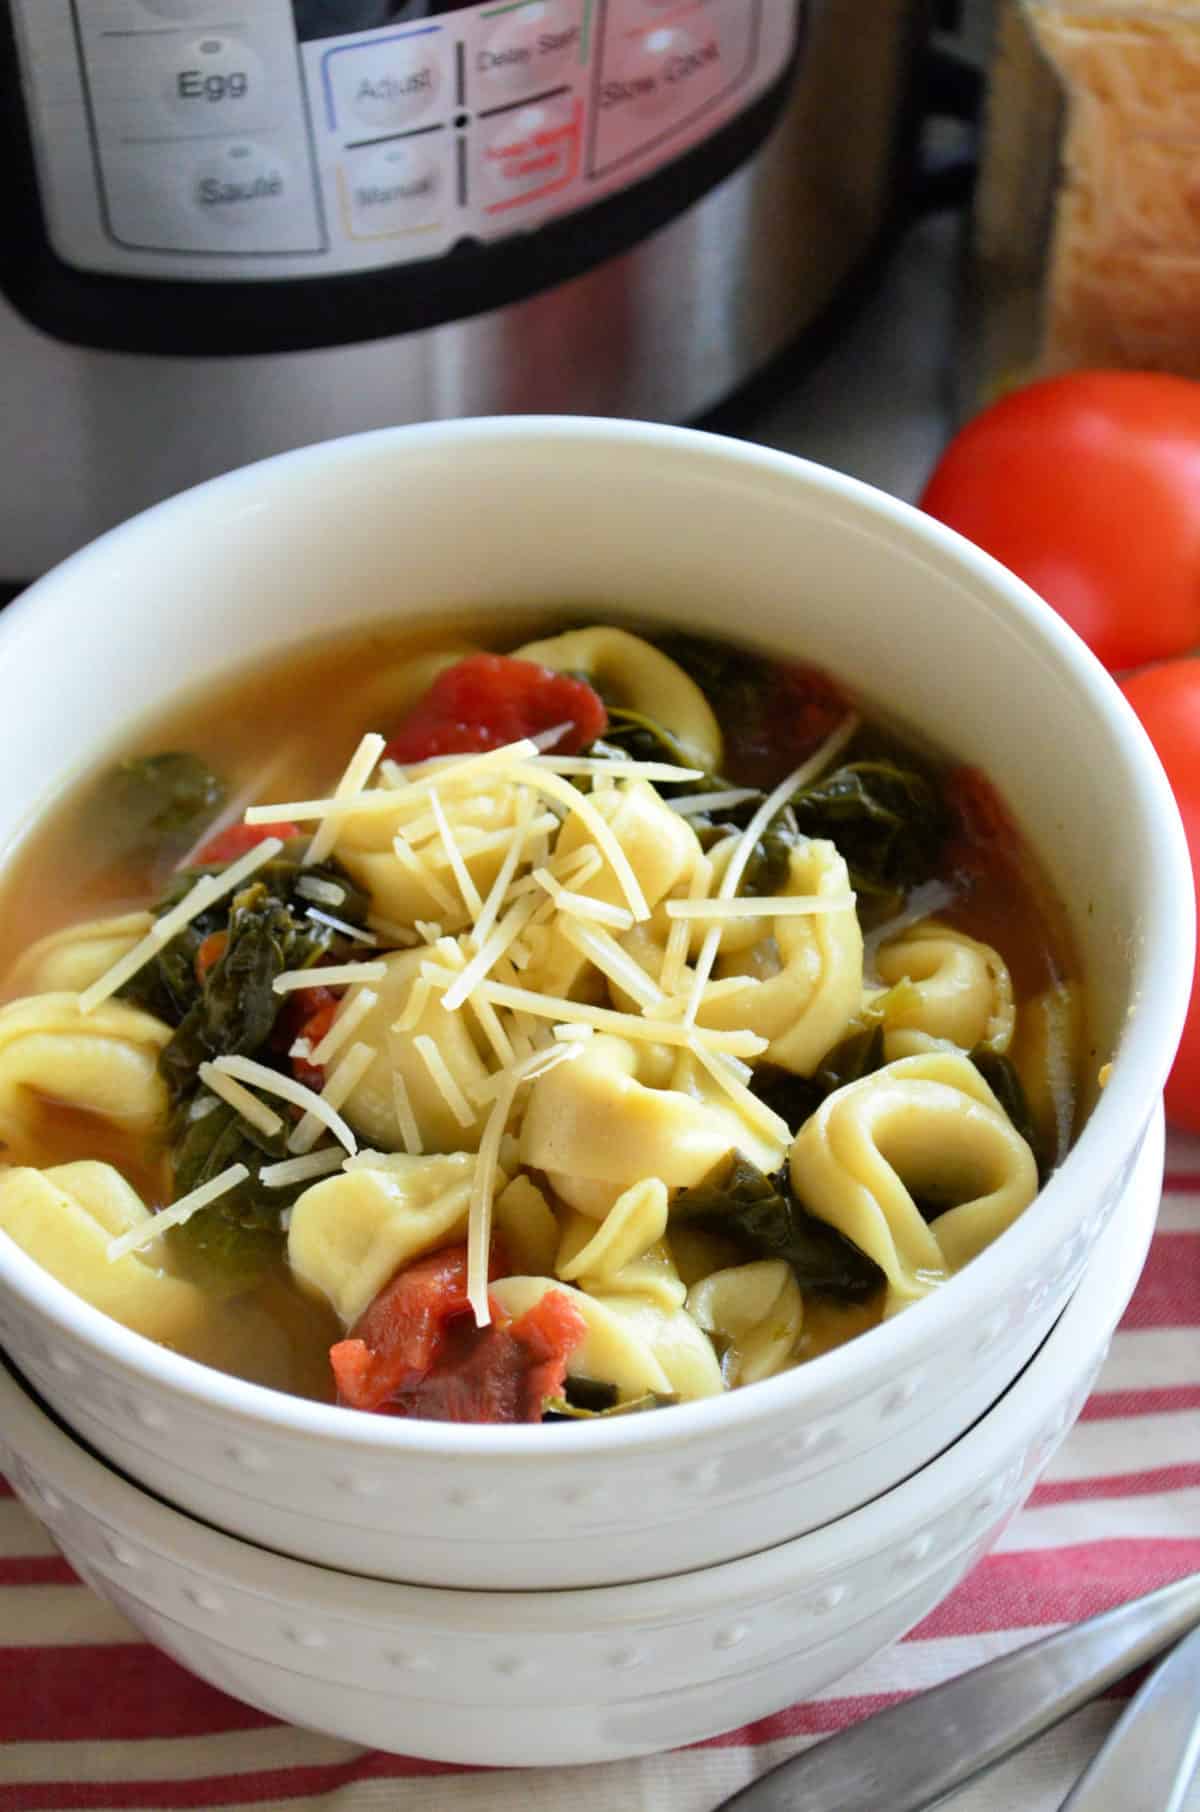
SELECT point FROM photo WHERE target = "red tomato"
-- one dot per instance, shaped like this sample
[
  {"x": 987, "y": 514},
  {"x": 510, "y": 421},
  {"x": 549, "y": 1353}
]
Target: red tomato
[
  {"x": 416, "y": 1351},
  {"x": 236, "y": 839},
  {"x": 1088, "y": 488},
  {"x": 1167, "y": 699},
  {"x": 490, "y": 699}
]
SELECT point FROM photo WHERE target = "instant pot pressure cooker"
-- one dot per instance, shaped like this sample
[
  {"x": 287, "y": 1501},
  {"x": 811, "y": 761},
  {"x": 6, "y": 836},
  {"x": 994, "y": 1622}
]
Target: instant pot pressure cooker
[{"x": 235, "y": 226}]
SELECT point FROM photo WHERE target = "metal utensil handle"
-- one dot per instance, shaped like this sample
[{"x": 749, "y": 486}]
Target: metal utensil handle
[
  {"x": 1152, "y": 1749},
  {"x": 910, "y": 1756}
]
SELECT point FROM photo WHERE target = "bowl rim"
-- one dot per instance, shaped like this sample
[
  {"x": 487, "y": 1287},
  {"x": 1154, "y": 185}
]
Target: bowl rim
[
  {"x": 968, "y": 1464},
  {"x": 1164, "y": 958}
]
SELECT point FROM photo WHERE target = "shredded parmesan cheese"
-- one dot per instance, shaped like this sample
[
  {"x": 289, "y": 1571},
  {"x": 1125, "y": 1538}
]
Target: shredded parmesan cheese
[
  {"x": 435, "y": 1063},
  {"x": 176, "y": 1214},
  {"x": 244, "y": 1069},
  {"x": 325, "y": 893},
  {"x": 485, "y": 958},
  {"x": 698, "y": 805},
  {"x": 401, "y": 936},
  {"x": 764, "y": 906},
  {"x": 752, "y": 1109},
  {"x": 555, "y": 787},
  {"x": 350, "y": 1016},
  {"x": 437, "y": 890},
  {"x": 241, "y": 1100},
  {"x": 341, "y": 1080},
  {"x": 355, "y": 933},
  {"x": 604, "y": 1019},
  {"x": 617, "y": 964},
  {"x": 489, "y": 911},
  {"x": 302, "y": 1170},
  {"x": 410, "y": 1132},
  {"x": 483, "y": 1194},
  {"x": 335, "y": 975},
  {"x": 472, "y": 898},
  {"x": 350, "y": 787},
  {"x": 448, "y": 769}
]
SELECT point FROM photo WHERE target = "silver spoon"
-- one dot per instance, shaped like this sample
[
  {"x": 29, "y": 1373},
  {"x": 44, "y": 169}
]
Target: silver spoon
[
  {"x": 912, "y": 1755},
  {"x": 1152, "y": 1750}
]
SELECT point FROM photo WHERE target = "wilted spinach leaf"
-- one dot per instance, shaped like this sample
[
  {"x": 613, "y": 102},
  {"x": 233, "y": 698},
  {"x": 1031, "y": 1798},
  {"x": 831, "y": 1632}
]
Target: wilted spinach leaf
[
  {"x": 885, "y": 815},
  {"x": 236, "y": 1006},
  {"x": 568, "y": 1409},
  {"x": 231, "y": 1242},
  {"x": 153, "y": 806},
  {"x": 1001, "y": 1077},
  {"x": 234, "y": 1009},
  {"x": 761, "y": 1214}
]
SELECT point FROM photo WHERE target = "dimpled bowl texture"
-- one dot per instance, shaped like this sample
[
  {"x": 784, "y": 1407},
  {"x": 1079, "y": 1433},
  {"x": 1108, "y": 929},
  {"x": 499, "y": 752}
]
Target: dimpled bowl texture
[
  {"x": 664, "y": 525},
  {"x": 528, "y": 1678}
]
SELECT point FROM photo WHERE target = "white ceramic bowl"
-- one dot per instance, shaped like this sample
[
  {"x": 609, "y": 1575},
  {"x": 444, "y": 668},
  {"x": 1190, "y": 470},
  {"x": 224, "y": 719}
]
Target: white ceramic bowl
[
  {"x": 672, "y": 525},
  {"x": 575, "y": 1676}
]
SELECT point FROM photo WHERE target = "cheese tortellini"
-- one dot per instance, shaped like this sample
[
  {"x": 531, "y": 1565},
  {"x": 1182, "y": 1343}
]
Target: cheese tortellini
[
  {"x": 595, "y": 1120},
  {"x": 350, "y": 1233},
  {"x": 71, "y": 960},
  {"x": 65, "y": 1218},
  {"x": 961, "y": 991},
  {"x": 757, "y": 1313},
  {"x": 103, "y": 1063},
  {"x": 799, "y": 983},
  {"x": 918, "y": 1164},
  {"x": 371, "y": 1106}
]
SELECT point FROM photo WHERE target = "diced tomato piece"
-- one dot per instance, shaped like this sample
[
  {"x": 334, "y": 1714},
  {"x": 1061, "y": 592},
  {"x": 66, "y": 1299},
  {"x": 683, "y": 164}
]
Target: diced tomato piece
[
  {"x": 211, "y": 950},
  {"x": 308, "y": 1013},
  {"x": 416, "y": 1351},
  {"x": 501, "y": 1373},
  {"x": 236, "y": 839},
  {"x": 801, "y": 709},
  {"x": 491, "y": 699},
  {"x": 393, "y": 1343}
]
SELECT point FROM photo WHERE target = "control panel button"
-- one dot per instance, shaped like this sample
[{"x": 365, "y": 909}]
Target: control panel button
[
  {"x": 531, "y": 151},
  {"x": 656, "y": 79},
  {"x": 389, "y": 190},
  {"x": 529, "y": 46},
  {"x": 215, "y": 82},
  {"x": 386, "y": 84},
  {"x": 241, "y": 184}
]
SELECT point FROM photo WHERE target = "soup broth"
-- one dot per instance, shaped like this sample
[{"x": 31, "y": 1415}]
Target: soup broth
[{"x": 661, "y": 1212}]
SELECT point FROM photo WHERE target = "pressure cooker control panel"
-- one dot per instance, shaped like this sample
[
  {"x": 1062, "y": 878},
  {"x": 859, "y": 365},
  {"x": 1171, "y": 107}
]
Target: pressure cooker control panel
[{"x": 208, "y": 139}]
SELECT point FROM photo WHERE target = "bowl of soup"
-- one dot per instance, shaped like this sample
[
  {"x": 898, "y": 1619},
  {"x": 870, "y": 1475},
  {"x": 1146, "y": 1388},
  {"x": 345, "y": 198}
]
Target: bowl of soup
[{"x": 576, "y": 996}]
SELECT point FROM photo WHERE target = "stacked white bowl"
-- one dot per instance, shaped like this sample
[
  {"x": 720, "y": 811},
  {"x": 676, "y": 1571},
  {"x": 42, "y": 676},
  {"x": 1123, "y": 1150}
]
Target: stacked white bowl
[{"x": 765, "y": 1539}]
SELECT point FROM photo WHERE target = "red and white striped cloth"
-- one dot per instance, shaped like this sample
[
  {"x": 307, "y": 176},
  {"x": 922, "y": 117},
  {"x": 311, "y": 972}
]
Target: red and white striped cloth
[{"x": 90, "y": 1717}]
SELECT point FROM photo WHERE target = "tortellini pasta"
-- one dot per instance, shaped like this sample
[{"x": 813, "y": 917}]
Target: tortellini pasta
[
  {"x": 633, "y": 673},
  {"x": 961, "y": 991},
  {"x": 65, "y": 1218},
  {"x": 923, "y": 1133},
  {"x": 350, "y": 1233},
  {"x": 633, "y": 1344},
  {"x": 757, "y": 1312},
  {"x": 71, "y": 960},
  {"x": 103, "y": 1063},
  {"x": 800, "y": 981},
  {"x": 371, "y": 1107},
  {"x": 662, "y": 849},
  {"x": 405, "y": 889},
  {"x": 594, "y": 1119}
]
